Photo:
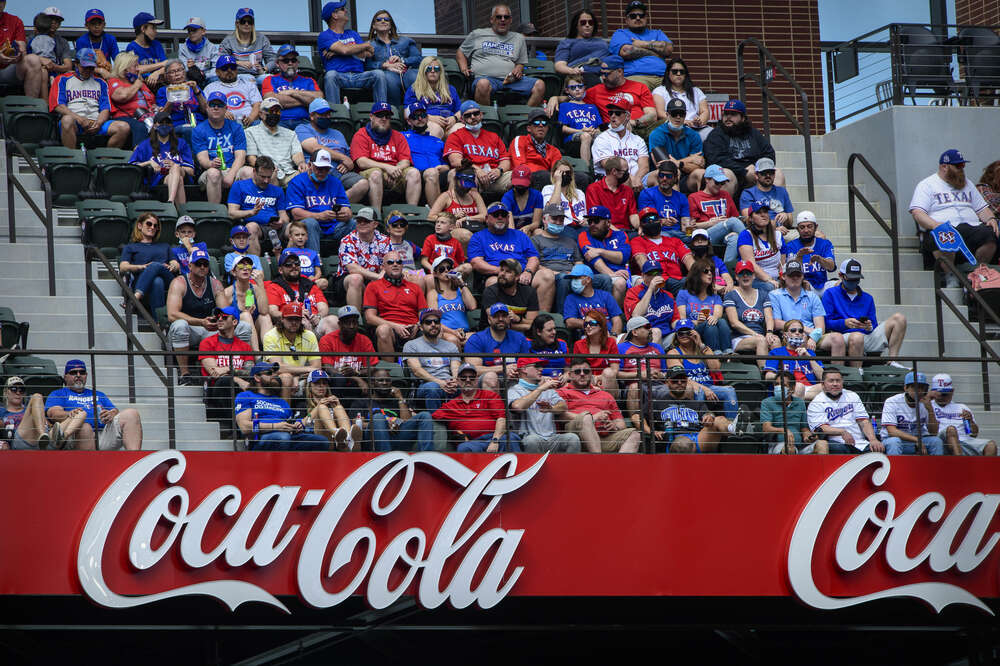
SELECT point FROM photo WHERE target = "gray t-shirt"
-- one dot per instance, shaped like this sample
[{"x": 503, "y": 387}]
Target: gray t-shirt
[
  {"x": 491, "y": 54},
  {"x": 437, "y": 366},
  {"x": 533, "y": 421},
  {"x": 750, "y": 315},
  {"x": 557, "y": 254}
]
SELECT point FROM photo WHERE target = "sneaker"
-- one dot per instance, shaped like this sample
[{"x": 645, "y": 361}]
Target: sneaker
[
  {"x": 43, "y": 441},
  {"x": 743, "y": 423},
  {"x": 188, "y": 380},
  {"x": 895, "y": 364},
  {"x": 57, "y": 440},
  {"x": 341, "y": 438}
]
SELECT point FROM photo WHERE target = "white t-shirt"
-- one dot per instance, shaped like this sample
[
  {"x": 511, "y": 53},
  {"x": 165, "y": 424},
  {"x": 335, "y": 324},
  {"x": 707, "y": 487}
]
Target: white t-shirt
[
  {"x": 692, "y": 107},
  {"x": 896, "y": 412},
  {"x": 575, "y": 210},
  {"x": 946, "y": 204},
  {"x": 951, "y": 415},
  {"x": 241, "y": 95},
  {"x": 842, "y": 413},
  {"x": 608, "y": 143}
]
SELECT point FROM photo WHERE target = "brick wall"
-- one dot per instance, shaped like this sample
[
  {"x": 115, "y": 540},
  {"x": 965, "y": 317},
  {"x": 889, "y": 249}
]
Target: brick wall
[{"x": 977, "y": 12}]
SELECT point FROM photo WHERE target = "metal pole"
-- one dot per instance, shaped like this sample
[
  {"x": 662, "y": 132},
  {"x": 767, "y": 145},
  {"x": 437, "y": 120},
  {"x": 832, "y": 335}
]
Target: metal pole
[
  {"x": 93, "y": 398},
  {"x": 938, "y": 275},
  {"x": 851, "y": 216},
  {"x": 161, "y": 8},
  {"x": 895, "y": 65},
  {"x": 88, "y": 272},
  {"x": 765, "y": 116},
  {"x": 501, "y": 380},
  {"x": 920, "y": 427},
  {"x": 830, "y": 101},
  {"x": 171, "y": 408},
  {"x": 984, "y": 365},
  {"x": 12, "y": 228},
  {"x": 784, "y": 412}
]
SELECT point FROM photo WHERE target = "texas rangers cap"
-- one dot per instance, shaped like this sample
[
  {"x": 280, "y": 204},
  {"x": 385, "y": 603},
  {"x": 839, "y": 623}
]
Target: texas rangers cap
[
  {"x": 613, "y": 62},
  {"x": 286, "y": 254},
  {"x": 440, "y": 259},
  {"x": 230, "y": 310},
  {"x": 318, "y": 375},
  {"x": 952, "y": 156},
  {"x": 743, "y": 266},
  {"x": 793, "y": 266},
  {"x": 647, "y": 212},
  {"x": 142, "y": 18},
  {"x": 414, "y": 107},
  {"x": 319, "y": 105},
  {"x": 53, "y": 11},
  {"x": 198, "y": 255},
  {"x": 528, "y": 360},
  {"x": 92, "y": 14},
  {"x": 764, "y": 164},
  {"x": 242, "y": 12},
  {"x": 805, "y": 216},
  {"x": 915, "y": 378},
  {"x": 86, "y": 57},
  {"x": 735, "y": 105},
  {"x": 74, "y": 364},
  {"x": 684, "y": 323},
  {"x": 348, "y": 311},
  {"x": 676, "y": 372},
  {"x": 466, "y": 367},
  {"x": 651, "y": 266},
  {"x": 942, "y": 383},
  {"x": 497, "y": 209},
  {"x": 759, "y": 204},
  {"x": 263, "y": 366},
  {"x": 715, "y": 172},
  {"x": 581, "y": 270},
  {"x": 184, "y": 220},
  {"x": 429, "y": 312},
  {"x": 323, "y": 159},
  {"x": 675, "y": 105},
  {"x": 291, "y": 310},
  {"x": 330, "y": 7},
  {"x": 521, "y": 175},
  {"x": 195, "y": 22},
  {"x": 468, "y": 105},
  {"x": 380, "y": 107},
  {"x": 225, "y": 61},
  {"x": 636, "y": 322},
  {"x": 598, "y": 213},
  {"x": 217, "y": 96},
  {"x": 851, "y": 268},
  {"x": 286, "y": 49},
  {"x": 497, "y": 308}
]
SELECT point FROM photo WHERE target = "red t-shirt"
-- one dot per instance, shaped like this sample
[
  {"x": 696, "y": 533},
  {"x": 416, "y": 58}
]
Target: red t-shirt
[
  {"x": 474, "y": 418},
  {"x": 213, "y": 344},
  {"x": 11, "y": 29},
  {"x": 631, "y": 95},
  {"x": 621, "y": 203},
  {"x": 522, "y": 151},
  {"x": 581, "y": 346},
  {"x": 487, "y": 148},
  {"x": 434, "y": 247},
  {"x": 397, "y": 149},
  {"x": 704, "y": 206},
  {"x": 592, "y": 401},
  {"x": 338, "y": 353},
  {"x": 276, "y": 295},
  {"x": 669, "y": 252},
  {"x": 400, "y": 305},
  {"x": 128, "y": 109}
]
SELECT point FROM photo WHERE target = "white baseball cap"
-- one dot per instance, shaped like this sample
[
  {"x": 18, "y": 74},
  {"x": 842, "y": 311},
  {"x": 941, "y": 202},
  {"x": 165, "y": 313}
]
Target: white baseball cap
[
  {"x": 52, "y": 11},
  {"x": 805, "y": 216},
  {"x": 440, "y": 260},
  {"x": 699, "y": 232},
  {"x": 942, "y": 383},
  {"x": 323, "y": 159},
  {"x": 195, "y": 22}
]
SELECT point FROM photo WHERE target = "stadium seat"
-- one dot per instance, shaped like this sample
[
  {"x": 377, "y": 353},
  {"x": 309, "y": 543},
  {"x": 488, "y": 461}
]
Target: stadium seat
[
  {"x": 162, "y": 209},
  {"x": 114, "y": 177},
  {"x": 455, "y": 76},
  {"x": 341, "y": 116},
  {"x": 39, "y": 374},
  {"x": 12, "y": 332},
  {"x": 980, "y": 57},
  {"x": 306, "y": 68},
  {"x": 27, "y": 120},
  {"x": 491, "y": 120},
  {"x": 201, "y": 209},
  {"x": 546, "y": 71},
  {"x": 212, "y": 223},
  {"x": 410, "y": 212},
  {"x": 105, "y": 224},
  {"x": 67, "y": 172}
]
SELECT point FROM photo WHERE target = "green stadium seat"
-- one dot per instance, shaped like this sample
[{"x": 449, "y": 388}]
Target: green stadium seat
[
  {"x": 105, "y": 223},
  {"x": 67, "y": 172}
]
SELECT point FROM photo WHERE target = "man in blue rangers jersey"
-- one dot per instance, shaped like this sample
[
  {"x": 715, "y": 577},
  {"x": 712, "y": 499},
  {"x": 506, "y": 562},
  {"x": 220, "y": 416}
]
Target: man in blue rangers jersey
[
  {"x": 266, "y": 419},
  {"x": 815, "y": 253},
  {"x": 114, "y": 428},
  {"x": 425, "y": 151}
]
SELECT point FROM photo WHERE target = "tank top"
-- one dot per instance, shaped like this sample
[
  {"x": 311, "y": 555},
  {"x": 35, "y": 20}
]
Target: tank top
[
  {"x": 461, "y": 210},
  {"x": 253, "y": 295},
  {"x": 453, "y": 312},
  {"x": 193, "y": 306},
  {"x": 697, "y": 370}
]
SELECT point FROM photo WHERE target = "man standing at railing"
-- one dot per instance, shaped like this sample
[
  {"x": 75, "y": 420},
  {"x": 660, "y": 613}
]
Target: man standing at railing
[{"x": 948, "y": 196}]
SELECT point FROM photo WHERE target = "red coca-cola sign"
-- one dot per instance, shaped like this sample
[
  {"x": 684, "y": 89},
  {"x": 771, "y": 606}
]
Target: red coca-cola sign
[{"x": 128, "y": 529}]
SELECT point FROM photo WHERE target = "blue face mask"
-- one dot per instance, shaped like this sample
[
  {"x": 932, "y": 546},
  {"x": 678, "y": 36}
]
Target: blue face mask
[
  {"x": 576, "y": 285},
  {"x": 163, "y": 131},
  {"x": 316, "y": 179},
  {"x": 531, "y": 386},
  {"x": 554, "y": 228},
  {"x": 852, "y": 285},
  {"x": 779, "y": 392},
  {"x": 131, "y": 77}
]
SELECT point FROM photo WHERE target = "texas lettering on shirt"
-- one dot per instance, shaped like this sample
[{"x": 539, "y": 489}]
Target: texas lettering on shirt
[{"x": 955, "y": 196}]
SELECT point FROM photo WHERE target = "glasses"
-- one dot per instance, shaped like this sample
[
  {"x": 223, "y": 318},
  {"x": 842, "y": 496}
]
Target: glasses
[
  {"x": 216, "y": 105},
  {"x": 246, "y": 20},
  {"x": 16, "y": 388},
  {"x": 392, "y": 262},
  {"x": 383, "y": 19},
  {"x": 77, "y": 373},
  {"x": 418, "y": 115},
  {"x": 384, "y": 115},
  {"x": 585, "y": 22},
  {"x": 540, "y": 122},
  {"x": 200, "y": 264},
  {"x": 432, "y": 68},
  {"x": 591, "y": 322},
  {"x": 431, "y": 322},
  {"x": 678, "y": 114},
  {"x": 472, "y": 114},
  {"x": 745, "y": 274},
  {"x": 580, "y": 371},
  {"x": 766, "y": 174},
  {"x": 442, "y": 269},
  {"x": 678, "y": 71},
  {"x": 399, "y": 224},
  {"x": 684, "y": 332},
  {"x": 147, "y": 223},
  {"x": 502, "y": 17},
  {"x": 605, "y": 72},
  {"x": 288, "y": 60},
  {"x": 636, "y": 15},
  {"x": 666, "y": 174},
  {"x": 575, "y": 86},
  {"x": 796, "y": 330},
  {"x": 466, "y": 378},
  {"x": 707, "y": 271},
  {"x": 617, "y": 112}
]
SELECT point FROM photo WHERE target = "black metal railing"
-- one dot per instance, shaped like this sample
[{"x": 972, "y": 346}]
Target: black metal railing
[
  {"x": 45, "y": 217},
  {"x": 767, "y": 65},
  {"x": 891, "y": 228}
]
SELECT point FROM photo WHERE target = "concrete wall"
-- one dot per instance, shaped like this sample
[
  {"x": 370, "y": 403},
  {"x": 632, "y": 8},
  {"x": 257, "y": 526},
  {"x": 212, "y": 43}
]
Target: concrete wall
[{"x": 904, "y": 143}]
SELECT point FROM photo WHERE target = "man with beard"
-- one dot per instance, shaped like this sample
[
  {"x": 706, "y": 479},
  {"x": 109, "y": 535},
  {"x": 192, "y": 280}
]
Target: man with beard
[
  {"x": 224, "y": 371},
  {"x": 906, "y": 414},
  {"x": 614, "y": 193},
  {"x": 482, "y": 148},
  {"x": 520, "y": 299},
  {"x": 477, "y": 418},
  {"x": 383, "y": 158},
  {"x": 391, "y": 306},
  {"x": 114, "y": 428},
  {"x": 341, "y": 359},
  {"x": 606, "y": 250},
  {"x": 426, "y": 151},
  {"x": 533, "y": 151},
  {"x": 242, "y": 97},
  {"x": 265, "y": 419},
  {"x": 290, "y": 336},
  {"x": 736, "y": 146},
  {"x": 670, "y": 252},
  {"x": 593, "y": 415},
  {"x": 956, "y": 422},
  {"x": 294, "y": 91},
  {"x": 619, "y": 141},
  {"x": 839, "y": 416},
  {"x": 669, "y": 203},
  {"x": 436, "y": 373},
  {"x": 497, "y": 339},
  {"x": 394, "y": 425},
  {"x": 270, "y": 139},
  {"x": 320, "y": 201},
  {"x": 489, "y": 246},
  {"x": 949, "y": 197},
  {"x": 290, "y": 285},
  {"x": 85, "y": 105},
  {"x": 780, "y": 204},
  {"x": 318, "y": 134},
  {"x": 190, "y": 310},
  {"x": 686, "y": 425},
  {"x": 815, "y": 253}
]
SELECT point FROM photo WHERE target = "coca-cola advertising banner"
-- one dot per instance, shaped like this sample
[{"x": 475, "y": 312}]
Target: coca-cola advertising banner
[{"x": 127, "y": 529}]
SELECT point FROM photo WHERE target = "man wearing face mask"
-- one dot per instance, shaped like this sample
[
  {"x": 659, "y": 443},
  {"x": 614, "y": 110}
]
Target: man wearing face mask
[
  {"x": 317, "y": 198},
  {"x": 279, "y": 143},
  {"x": 585, "y": 298},
  {"x": 851, "y": 311},
  {"x": 242, "y": 97},
  {"x": 840, "y": 415},
  {"x": 908, "y": 413},
  {"x": 783, "y": 415},
  {"x": 682, "y": 146},
  {"x": 426, "y": 151},
  {"x": 484, "y": 149},
  {"x": 558, "y": 255},
  {"x": 668, "y": 251},
  {"x": 318, "y": 134},
  {"x": 294, "y": 91},
  {"x": 85, "y": 106},
  {"x": 619, "y": 141},
  {"x": 606, "y": 250},
  {"x": 670, "y": 203},
  {"x": 614, "y": 193}
]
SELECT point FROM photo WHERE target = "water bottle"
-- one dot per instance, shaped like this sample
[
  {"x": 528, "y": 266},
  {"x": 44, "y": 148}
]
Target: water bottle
[
  {"x": 875, "y": 426},
  {"x": 275, "y": 239},
  {"x": 221, "y": 156},
  {"x": 307, "y": 306},
  {"x": 967, "y": 426},
  {"x": 346, "y": 103}
]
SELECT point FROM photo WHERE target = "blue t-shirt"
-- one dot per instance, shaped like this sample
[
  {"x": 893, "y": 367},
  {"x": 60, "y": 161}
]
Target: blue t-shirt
[
  {"x": 806, "y": 308},
  {"x": 676, "y": 206},
  {"x": 577, "y": 51},
  {"x": 107, "y": 44},
  {"x": 814, "y": 273},
  {"x": 246, "y": 194},
  {"x": 183, "y": 257},
  {"x": 576, "y": 305},
  {"x": 578, "y": 115},
  {"x": 482, "y": 342},
  {"x": 777, "y": 196},
  {"x": 308, "y": 261},
  {"x": 179, "y": 114},
  {"x": 694, "y": 304},
  {"x": 650, "y": 65},
  {"x": 523, "y": 216},
  {"x": 144, "y": 253},
  {"x": 512, "y": 244},
  {"x": 144, "y": 152},
  {"x": 425, "y": 150},
  {"x": 555, "y": 357},
  {"x": 230, "y": 137},
  {"x": 688, "y": 144},
  {"x": 304, "y": 192},
  {"x": 797, "y": 367},
  {"x": 148, "y": 56},
  {"x": 661, "y": 309},
  {"x": 331, "y": 139},
  {"x": 435, "y": 107},
  {"x": 277, "y": 83},
  {"x": 616, "y": 241},
  {"x": 340, "y": 63},
  {"x": 266, "y": 408},
  {"x": 70, "y": 400}
]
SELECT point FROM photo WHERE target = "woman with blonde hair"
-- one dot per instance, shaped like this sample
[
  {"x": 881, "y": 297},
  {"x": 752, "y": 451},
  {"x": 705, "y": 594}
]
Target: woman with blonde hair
[
  {"x": 563, "y": 192},
  {"x": 431, "y": 88},
  {"x": 132, "y": 101},
  {"x": 253, "y": 52},
  {"x": 326, "y": 416}
]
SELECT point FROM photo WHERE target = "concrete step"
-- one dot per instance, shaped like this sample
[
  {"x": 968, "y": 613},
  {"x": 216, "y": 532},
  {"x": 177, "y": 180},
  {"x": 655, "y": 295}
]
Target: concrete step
[
  {"x": 821, "y": 176},
  {"x": 796, "y": 158},
  {"x": 33, "y": 252}
]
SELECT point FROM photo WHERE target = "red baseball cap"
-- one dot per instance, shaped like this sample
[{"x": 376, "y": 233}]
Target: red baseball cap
[
  {"x": 743, "y": 266},
  {"x": 522, "y": 362},
  {"x": 521, "y": 176},
  {"x": 649, "y": 210},
  {"x": 292, "y": 309}
]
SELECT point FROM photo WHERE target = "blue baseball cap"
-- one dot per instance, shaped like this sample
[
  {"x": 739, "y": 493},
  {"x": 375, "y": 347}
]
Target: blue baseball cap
[
  {"x": 197, "y": 255},
  {"x": 286, "y": 253},
  {"x": 243, "y": 11},
  {"x": 466, "y": 180},
  {"x": 600, "y": 212},
  {"x": 379, "y": 107},
  {"x": 915, "y": 378},
  {"x": 415, "y": 106},
  {"x": 216, "y": 96},
  {"x": 759, "y": 204},
  {"x": 735, "y": 105},
  {"x": 651, "y": 266},
  {"x": 74, "y": 364},
  {"x": 613, "y": 62},
  {"x": 92, "y": 14},
  {"x": 469, "y": 105},
  {"x": 330, "y": 7},
  {"x": 263, "y": 366},
  {"x": 238, "y": 229},
  {"x": 499, "y": 307},
  {"x": 285, "y": 49},
  {"x": 952, "y": 156},
  {"x": 86, "y": 57},
  {"x": 497, "y": 208},
  {"x": 715, "y": 172},
  {"x": 230, "y": 310},
  {"x": 683, "y": 323},
  {"x": 225, "y": 61},
  {"x": 319, "y": 105},
  {"x": 581, "y": 270},
  {"x": 317, "y": 375},
  {"x": 142, "y": 18}
]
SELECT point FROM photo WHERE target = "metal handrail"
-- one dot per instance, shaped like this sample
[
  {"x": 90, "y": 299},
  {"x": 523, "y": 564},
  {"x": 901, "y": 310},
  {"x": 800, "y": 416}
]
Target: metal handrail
[
  {"x": 892, "y": 228},
  {"x": 44, "y": 217},
  {"x": 132, "y": 304},
  {"x": 764, "y": 56}
]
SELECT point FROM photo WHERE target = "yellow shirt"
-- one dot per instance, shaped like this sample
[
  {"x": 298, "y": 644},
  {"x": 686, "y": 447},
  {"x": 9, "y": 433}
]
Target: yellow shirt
[{"x": 305, "y": 341}]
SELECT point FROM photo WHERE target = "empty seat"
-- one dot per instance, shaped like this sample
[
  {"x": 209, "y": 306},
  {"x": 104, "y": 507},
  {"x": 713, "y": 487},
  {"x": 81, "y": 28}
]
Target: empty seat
[
  {"x": 980, "y": 56},
  {"x": 114, "y": 177},
  {"x": 925, "y": 62},
  {"x": 67, "y": 172},
  {"x": 105, "y": 223}
]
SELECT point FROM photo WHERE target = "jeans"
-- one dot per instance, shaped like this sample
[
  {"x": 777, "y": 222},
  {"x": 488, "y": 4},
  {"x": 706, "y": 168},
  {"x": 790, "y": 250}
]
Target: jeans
[
  {"x": 139, "y": 130},
  {"x": 716, "y": 234},
  {"x": 316, "y": 231},
  {"x": 727, "y": 395},
  {"x": 432, "y": 395},
  {"x": 479, "y": 444},
  {"x": 153, "y": 282},
  {"x": 419, "y": 430},
  {"x": 396, "y": 85},
  {"x": 333, "y": 80},
  {"x": 894, "y": 446},
  {"x": 601, "y": 281},
  {"x": 286, "y": 441},
  {"x": 718, "y": 337}
]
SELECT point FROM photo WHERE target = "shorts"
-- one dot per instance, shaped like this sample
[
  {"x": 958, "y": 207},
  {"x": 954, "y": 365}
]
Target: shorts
[
  {"x": 523, "y": 86},
  {"x": 350, "y": 179},
  {"x": 103, "y": 131},
  {"x": 110, "y": 436},
  {"x": 203, "y": 178},
  {"x": 397, "y": 185},
  {"x": 740, "y": 338},
  {"x": 973, "y": 446},
  {"x": 19, "y": 443},
  {"x": 875, "y": 342},
  {"x": 610, "y": 443},
  {"x": 8, "y": 75}
]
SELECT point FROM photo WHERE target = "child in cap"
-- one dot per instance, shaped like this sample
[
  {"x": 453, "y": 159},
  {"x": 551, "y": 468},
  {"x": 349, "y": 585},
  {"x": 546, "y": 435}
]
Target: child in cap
[
  {"x": 239, "y": 239},
  {"x": 395, "y": 226},
  {"x": 441, "y": 242},
  {"x": 103, "y": 44},
  {"x": 185, "y": 232},
  {"x": 197, "y": 51},
  {"x": 581, "y": 122},
  {"x": 310, "y": 264}
]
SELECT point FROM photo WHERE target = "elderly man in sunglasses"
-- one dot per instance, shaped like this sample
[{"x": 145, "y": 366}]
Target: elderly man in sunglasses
[
  {"x": 496, "y": 57},
  {"x": 106, "y": 427}
]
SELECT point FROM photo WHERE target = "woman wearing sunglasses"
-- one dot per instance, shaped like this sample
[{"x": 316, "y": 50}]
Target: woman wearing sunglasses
[
  {"x": 596, "y": 340},
  {"x": 431, "y": 88},
  {"x": 581, "y": 52},
  {"x": 253, "y": 52},
  {"x": 807, "y": 370},
  {"x": 462, "y": 200},
  {"x": 699, "y": 303},
  {"x": 24, "y": 424},
  {"x": 677, "y": 84},
  {"x": 147, "y": 263},
  {"x": 704, "y": 375},
  {"x": 396, "y": 57},
  {"x": 448, "y": 292}
]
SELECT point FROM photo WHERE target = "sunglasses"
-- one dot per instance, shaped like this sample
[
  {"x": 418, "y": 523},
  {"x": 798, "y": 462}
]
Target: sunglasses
[
  {"x": 540, "y": 122},
  {"x": 580, "y": 371},
  {"x": 617, "y": 112},
  {"x": 472, "y": 114},
  {"x": 77, "y": 373},
  {"x": 677, "y": 114},
  {"x": 246, "y": 20},
  {"x": 399, "y": 224},
  {"x": 766, "y": 174},
  {"x": 432, "y": 68},
  {"x": 591, "y": 322},
  {"x": 666, "y": 174},
  {"x": 288, "y": 60},
  {"x": 382, "y": 19},
  {"x": 678, "y": 71},
  {"x": 466, "y": 378},
  {"x": 393, "y": 262},
  {"x": 226, "y": 68},
  {"x": 202, "y": 264},
  {"x": 605, "y": 72},
  {"x": 636, "y": 15},
  {"x": 796, "y": 330},
  {"x": 147, "y": 223},
  {"x": 442, "y": 269},
  {"x": 684, "y": 332},
  {"x": 707, "y": 271},
  {"x": 575, "y": 86},
  {"x": 384, "y": 115},
  {"x": 745, "y": 274},
  {"x": 16, "y": 388},
  {"x": 216, "y": 105},
  {"x": 418, "y": 115},
  {"x": 502, "y": 17},
  {"x": 432, "y": 321},
  {"x": 585, "y": 22}
]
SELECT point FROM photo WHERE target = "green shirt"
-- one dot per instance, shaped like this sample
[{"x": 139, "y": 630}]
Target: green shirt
[{"x": 770, "y": 412}]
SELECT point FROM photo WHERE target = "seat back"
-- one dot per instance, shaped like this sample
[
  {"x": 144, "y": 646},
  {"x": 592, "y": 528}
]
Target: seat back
[
  {"x": 200, "y": 209},
  {"x": 980, "y": 55},
  {"x": 925, "y": 61},
  {"x": 162, "y": 209},
  {"x": 100, "y": 156},
  {"x": 213, "y": 231}
]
